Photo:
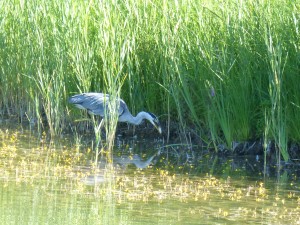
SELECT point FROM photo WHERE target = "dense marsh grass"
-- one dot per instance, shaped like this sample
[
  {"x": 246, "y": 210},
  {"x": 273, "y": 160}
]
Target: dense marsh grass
[{"x": 223, "y": 66}]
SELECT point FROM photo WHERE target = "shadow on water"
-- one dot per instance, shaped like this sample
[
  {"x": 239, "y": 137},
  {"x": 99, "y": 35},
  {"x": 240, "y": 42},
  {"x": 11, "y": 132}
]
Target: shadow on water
[{"x": 57, "y": 182}]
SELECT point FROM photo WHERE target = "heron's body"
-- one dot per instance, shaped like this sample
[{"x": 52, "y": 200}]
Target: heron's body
[{"x": 97, "y": 104}]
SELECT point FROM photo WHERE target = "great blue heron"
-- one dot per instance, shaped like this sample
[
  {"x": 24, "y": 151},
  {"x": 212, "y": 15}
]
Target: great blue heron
[{"x": 97, "y": 104}]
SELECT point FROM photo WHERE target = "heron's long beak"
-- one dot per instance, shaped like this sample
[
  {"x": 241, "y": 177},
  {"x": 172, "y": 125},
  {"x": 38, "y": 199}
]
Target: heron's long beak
[
  {"x": 159, "y": 129},
  {"x": 157, "y": 126}
]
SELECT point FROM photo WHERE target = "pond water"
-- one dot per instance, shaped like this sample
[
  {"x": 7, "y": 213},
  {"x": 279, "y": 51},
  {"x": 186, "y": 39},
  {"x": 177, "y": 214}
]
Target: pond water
[{"x": 46, "y": 182}]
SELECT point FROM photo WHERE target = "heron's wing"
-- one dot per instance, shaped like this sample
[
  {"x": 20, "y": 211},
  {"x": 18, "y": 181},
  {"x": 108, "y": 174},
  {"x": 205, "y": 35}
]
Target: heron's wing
[{"x": 95, "y": 103}]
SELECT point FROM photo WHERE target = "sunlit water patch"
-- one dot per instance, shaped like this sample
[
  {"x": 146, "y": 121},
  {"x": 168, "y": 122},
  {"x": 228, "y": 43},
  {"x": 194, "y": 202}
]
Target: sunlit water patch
[{"x": 56, "y": 183}]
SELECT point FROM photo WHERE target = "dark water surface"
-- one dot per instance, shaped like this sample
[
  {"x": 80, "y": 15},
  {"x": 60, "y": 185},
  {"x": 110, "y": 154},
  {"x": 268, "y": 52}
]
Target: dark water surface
[{"x": 58, "y": 182}]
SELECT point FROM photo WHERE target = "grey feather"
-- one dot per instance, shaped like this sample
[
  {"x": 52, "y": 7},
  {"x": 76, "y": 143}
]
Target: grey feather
[{"x": 98, "y": 104}]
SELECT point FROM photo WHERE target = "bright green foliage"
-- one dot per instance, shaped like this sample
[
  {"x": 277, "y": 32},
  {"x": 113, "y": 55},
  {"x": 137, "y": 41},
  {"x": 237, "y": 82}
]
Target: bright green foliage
[{"x": 215, "y": 64}]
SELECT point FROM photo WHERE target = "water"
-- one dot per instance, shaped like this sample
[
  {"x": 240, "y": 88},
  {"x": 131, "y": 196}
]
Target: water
[{"x": 58, "y": 183}]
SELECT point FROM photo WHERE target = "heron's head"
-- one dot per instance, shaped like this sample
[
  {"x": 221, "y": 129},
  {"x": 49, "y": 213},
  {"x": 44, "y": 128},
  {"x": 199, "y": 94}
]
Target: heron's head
[{"x": 154, "y": 120}]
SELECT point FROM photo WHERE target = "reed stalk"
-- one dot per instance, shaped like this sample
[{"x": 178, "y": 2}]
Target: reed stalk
[{"x": 52, "y": 49}]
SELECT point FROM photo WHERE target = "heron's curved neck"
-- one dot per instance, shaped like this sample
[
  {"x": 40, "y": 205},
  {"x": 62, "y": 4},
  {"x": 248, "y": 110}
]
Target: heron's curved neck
[{"x": 136, "y": 120}]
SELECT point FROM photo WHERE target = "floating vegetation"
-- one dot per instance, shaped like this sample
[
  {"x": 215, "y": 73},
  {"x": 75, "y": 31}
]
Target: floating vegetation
[{"x": 66, "y": 177}]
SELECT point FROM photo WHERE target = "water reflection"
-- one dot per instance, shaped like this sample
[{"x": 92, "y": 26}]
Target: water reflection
[
  {"x": 93, "y": 179},
  {"x": 57, "y": 183},
  {"x": 135, "y": 159}
]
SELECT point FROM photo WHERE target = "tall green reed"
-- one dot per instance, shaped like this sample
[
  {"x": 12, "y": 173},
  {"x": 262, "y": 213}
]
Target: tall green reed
[
  {"x": 277, "y": 96},
  {"x": 163, "y": 56}
]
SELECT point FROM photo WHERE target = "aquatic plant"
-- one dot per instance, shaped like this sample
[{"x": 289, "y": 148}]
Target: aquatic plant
[
  {"x": 164, "y": 56},
  {"x": 63, "y": 185}
]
